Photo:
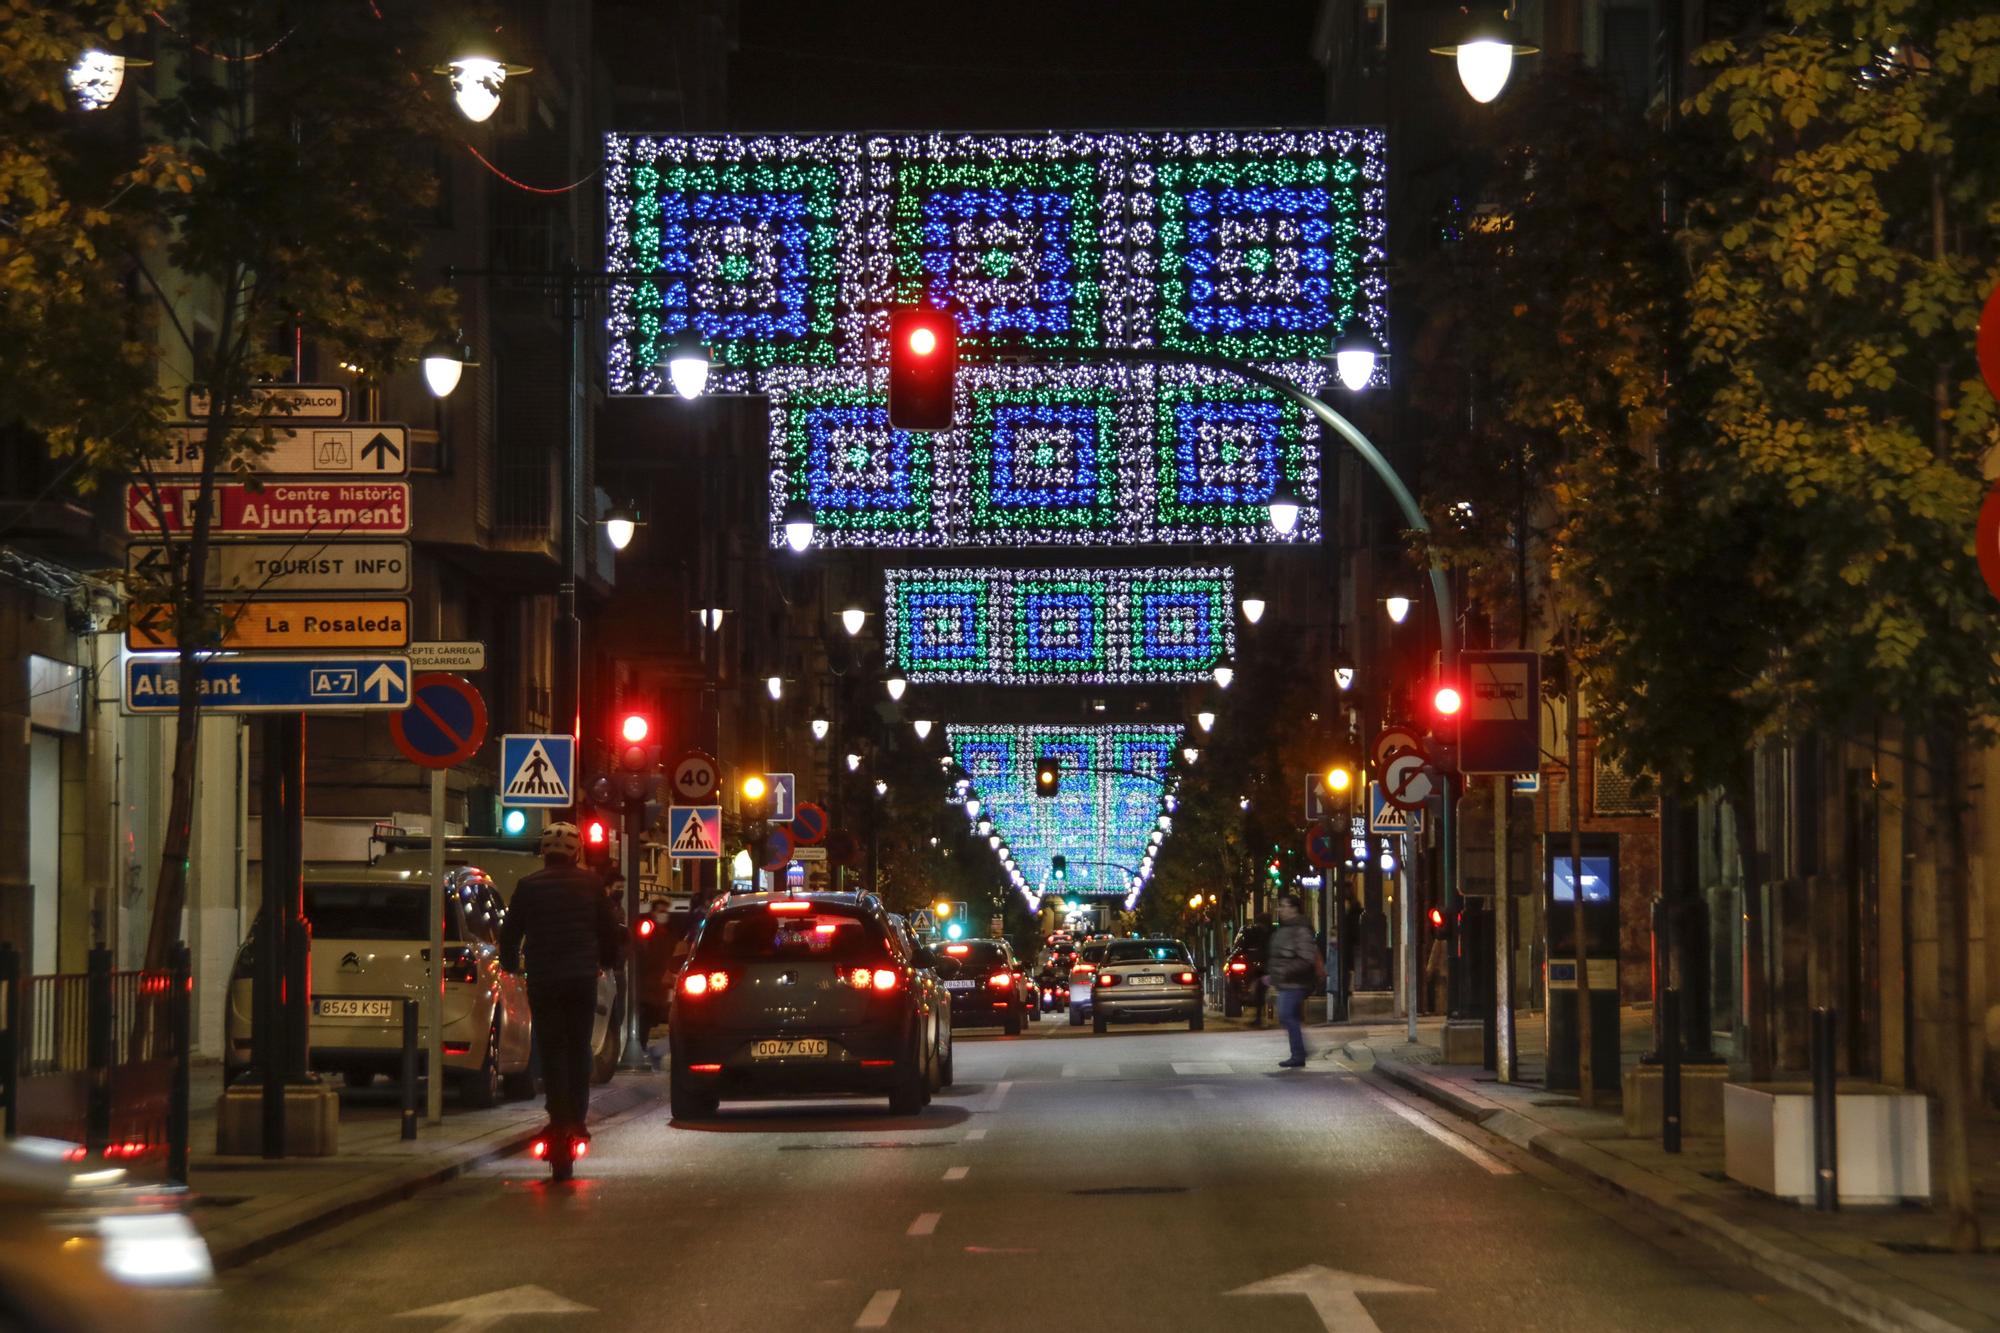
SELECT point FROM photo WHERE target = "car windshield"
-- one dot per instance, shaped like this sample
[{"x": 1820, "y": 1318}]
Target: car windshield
[
  {"x": 371, "y": 912},
  {"x": 974, "y": 958},
  {"x": 820, "y": 934},
  {"x": 1146, "y": 951}
]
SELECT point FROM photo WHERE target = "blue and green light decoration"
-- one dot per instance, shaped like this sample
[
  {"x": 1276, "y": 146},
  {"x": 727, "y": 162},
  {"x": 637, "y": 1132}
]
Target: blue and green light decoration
[
  {"x": 1058, "y": 626},
  {"x": 1114, "y": 782}
]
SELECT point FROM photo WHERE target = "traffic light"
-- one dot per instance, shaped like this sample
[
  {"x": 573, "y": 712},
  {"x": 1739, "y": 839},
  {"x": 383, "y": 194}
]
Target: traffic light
[
  {"x": 1048, "y": 775},
  {"x": 923, "y": 368},
  {"x": 596, "y": 843},
  {"x": 753, "y": 788},
  {"x": 1060, "y": 865},
  {"x": 1339, "y": 779},
  {"x": 941, "y": 910},
  {"x": 1446, "y": 701},
  {"x": 634, "y": 755}
]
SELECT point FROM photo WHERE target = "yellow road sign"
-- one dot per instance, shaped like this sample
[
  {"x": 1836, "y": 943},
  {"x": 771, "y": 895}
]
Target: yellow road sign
[{"x": 279, "y": 625}]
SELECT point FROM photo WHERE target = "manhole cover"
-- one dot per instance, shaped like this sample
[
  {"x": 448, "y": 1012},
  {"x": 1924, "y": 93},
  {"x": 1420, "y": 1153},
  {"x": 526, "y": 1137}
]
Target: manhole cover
[{"x": 1136, "y": 1189}]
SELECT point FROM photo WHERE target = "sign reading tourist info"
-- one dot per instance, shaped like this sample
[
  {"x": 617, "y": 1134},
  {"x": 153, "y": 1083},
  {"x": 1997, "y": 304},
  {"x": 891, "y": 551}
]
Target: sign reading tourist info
[
  {"x": 272, "y": 684},
  {"x": 275, "y": 509},
  {"x": 310, "y": 566}
]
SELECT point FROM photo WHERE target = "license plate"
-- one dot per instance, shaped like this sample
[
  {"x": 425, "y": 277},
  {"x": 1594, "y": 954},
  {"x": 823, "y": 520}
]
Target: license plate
[
  {"x": 788, "y": 1048},
  {"x": 1149, "y": 981},
  {"x": 354, "y": 1008},
  {"x": 960, "y": 985}
]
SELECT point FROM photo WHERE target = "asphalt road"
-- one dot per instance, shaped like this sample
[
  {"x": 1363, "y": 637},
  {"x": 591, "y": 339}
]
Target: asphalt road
[{"x": 1130, "y": 1181}]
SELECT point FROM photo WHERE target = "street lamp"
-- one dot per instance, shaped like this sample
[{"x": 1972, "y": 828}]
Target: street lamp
[
  {"x": 820, "y": 726},
  {"x": 444, "y": 363},
  {"x": 711, "y": 617},
  {"x": 881, "y": 787},
  {"x": 985, "y": 827},
  {"x": 1225, "y": 671},
  {"x": 798, "y": 521},
  {"x": 1190, "y": 753},
  {"x": 620, "y": 525},
  {"x": 687, "y": 364},
  {"x": 1285, "y": 505},
  {"x": 1398, "y": 607},
  {"x": 895, "y": 685},
  {"x": 774, "y": 686},
  {"x": 922, "y": 726},
  {"x": 476, "y": 79},
  {"x": 852, "y": 619},
  {"x": 1485, "y": 52},
  {"x": 854, "y": 763},
  {"x": 1354, "y": 354},
  {"x": 1253, "y": 609},
  {"x": 972, "y": 808},
  {"x": 1205, "y": 720},
  {"x": 97, "y": 76}
]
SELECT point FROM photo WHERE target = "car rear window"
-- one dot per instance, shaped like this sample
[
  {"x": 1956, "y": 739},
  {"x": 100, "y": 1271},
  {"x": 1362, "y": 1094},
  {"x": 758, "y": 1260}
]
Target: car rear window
[
  {"x": 970, "y": 959},
  {"x": 372, "y": 912},
  {"x": 824, "y": 934},
  {"x": 1146, "y": 951}
]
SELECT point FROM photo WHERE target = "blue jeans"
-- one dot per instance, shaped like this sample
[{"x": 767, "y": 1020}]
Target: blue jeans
[{"x": 1291, "y": 1017}]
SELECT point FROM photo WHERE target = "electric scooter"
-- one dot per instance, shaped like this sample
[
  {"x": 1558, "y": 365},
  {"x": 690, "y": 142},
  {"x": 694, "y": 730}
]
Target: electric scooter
[{"x": 561, "y": 1149}]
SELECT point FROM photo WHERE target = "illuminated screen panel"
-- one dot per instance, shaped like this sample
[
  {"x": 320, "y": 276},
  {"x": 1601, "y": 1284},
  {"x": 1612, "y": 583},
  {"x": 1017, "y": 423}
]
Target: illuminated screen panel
[
  {"x": 1058, "y": 626},
  {"x": 1102, "y": 820}
]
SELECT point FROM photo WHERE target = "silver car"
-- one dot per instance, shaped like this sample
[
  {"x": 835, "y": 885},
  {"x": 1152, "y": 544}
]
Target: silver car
[{"x": 1145, "y": 981}]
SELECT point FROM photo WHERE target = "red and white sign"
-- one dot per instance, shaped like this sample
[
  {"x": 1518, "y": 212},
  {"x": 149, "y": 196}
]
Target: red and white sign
[
  {"x": 278, "y": 508},
  {"x": 1392, "y": 741},
  {"x": 1988, "y": 540},
  {"x": 695, "y": 777},
  {"x": 1989, "y": 343},
  {"x": 1406, "y": 782}
]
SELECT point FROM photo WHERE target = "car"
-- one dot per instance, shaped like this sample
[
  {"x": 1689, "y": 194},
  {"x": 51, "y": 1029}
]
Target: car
[
  {"x": 984, "y": 981},
  {"x": 1146, "y": 981},
  {"x": 1081, "y": 971},
  {"x": 814, "y": 993}
]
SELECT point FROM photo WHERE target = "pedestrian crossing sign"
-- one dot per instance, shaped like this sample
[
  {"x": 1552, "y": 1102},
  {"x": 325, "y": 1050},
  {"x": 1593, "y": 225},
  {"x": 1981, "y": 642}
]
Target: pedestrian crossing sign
[
  {"x": 694, "y": 832},
  {"x": 1386, "y": 820},
  {"x": 538, "y": 771}
]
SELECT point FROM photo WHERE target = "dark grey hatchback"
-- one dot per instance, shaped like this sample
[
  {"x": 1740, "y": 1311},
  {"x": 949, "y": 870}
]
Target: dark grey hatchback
[{"x": 817, "y": 993}]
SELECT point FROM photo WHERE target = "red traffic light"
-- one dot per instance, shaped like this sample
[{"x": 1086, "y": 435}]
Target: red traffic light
[
  {"x": 645, "y": 928},
  {"x": 635, "y": 727},
  {"x": 923, "y": 368},
  {"x": 1447, "y": 701},
  {"x": 594, "y": 833},
  {"x": 1437, "y": 918}
]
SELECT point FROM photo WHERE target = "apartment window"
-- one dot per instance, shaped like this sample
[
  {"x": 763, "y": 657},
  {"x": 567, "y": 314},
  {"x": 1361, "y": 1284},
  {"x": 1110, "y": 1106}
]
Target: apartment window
[{"x": 1625, "y": 52}]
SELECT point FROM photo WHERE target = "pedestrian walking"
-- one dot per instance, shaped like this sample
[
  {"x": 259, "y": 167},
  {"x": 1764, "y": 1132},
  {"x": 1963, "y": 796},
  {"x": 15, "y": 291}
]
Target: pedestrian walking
[
  {"x": 1293, "y": 962},
  {"x": 571, "y": 929}
]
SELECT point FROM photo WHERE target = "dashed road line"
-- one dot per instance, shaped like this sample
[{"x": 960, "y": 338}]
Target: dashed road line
[
  {"x": 880, "y": 1306},
  {"x": 1185, "y": 1067},
  {"x": 957, "y": 1172},
  {"x": 925, "y": 1224},
  {"x": 974, "y": 1135}
]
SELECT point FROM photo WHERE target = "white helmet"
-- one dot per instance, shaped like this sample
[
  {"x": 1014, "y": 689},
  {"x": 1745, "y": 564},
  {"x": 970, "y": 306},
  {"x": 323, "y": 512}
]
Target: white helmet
[{"x": 561, "y": 839}]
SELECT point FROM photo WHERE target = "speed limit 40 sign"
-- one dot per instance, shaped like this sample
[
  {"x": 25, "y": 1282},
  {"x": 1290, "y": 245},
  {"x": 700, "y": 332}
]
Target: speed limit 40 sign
[{"x": 694, "y": 778}]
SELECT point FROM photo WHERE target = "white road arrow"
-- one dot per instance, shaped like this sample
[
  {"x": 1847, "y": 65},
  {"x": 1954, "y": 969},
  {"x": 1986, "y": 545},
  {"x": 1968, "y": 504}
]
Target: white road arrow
[
  {"x": 384, "y": 680},
  {"x": 481, "y": 1312},
  {"x": 1335, "y": 1295}
]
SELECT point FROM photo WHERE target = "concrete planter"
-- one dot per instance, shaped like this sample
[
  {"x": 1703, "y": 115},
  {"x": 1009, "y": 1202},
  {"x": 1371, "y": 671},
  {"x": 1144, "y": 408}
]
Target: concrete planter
[{"x": 1883, "y": 1151}]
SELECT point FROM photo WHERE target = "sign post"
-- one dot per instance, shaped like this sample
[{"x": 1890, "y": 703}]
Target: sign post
[{"x": 444, "y": 726}]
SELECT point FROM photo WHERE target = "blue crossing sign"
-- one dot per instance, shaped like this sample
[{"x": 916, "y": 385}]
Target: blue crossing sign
[
  {"x": 1387, "y": 820},
  {"x": 538, "y": 771},
  {"x": 230, "y": 684}
]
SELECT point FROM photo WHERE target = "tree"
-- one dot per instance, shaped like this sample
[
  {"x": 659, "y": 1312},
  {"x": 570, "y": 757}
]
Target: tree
[
  {"x": 1836, "y": 285},
  {"x": 275, "y": 190}
]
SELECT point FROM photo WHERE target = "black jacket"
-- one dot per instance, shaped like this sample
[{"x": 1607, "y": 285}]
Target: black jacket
[{"x": 570, "y": 924}]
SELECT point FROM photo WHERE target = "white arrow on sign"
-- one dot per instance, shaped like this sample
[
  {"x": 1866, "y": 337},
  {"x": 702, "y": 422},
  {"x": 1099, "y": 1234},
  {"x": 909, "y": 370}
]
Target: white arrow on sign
[
  {"x": 384, "y": 680},
  {"x": 479, "y": 1312},
  {"x": 1335, "y": 1295},
  {"x": 1406, "y": 782}
]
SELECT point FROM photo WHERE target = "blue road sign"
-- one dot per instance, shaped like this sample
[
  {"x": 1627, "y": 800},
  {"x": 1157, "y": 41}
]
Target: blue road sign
[
  {"x": 272, "y": 684},
  {"x": 445, "y": 723},
  {"x": 784, "y": 788},
  {"x": 1386, "y": 820},
  {"x": 538, "y": 770},
  {"x": 1317, "y": 807},
  {"x": 694, "y": 832}
]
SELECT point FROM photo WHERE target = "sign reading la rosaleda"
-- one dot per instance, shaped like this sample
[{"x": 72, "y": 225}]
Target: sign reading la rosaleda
[{"x": 278, "y": 508}]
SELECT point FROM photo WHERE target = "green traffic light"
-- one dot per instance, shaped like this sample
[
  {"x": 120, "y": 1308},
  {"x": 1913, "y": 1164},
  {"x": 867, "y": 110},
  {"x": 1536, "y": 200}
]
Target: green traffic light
[{"x": 515, "y": 822}]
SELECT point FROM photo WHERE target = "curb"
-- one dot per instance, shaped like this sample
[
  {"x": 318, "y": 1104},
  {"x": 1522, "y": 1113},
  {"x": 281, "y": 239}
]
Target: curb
[
  {"x": 379, "y": 1189},
  {"x": 1857, "y": 1300}
]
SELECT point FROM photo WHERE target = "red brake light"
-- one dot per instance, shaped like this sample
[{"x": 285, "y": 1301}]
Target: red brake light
[
  {"x": 958, "y": 950},
  {"x": 791, "y": 905},
  {"x": 583, "y": 1147},
  {"x": 1437, "y": 918},
  {"x": 885, "y": 979},
  {"x": 1000, "y": 980},
  {"x": 1185, "y": 978},
  {"x": 1106, "y": 979},
  {"x": 704, "y": 983},
  {"x": 705, "y": 1069},
  {"x": 1084, "y": 967},
  {"x": 1239, "y": 967},
  {"x": 646, "y": 927}
]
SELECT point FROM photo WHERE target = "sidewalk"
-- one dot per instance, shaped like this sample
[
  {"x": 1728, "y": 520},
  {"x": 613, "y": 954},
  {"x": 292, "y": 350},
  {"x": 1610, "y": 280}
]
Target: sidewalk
[
  {"x": 246, "y": 1206},
  {"x": 1874, "y": 1265}
]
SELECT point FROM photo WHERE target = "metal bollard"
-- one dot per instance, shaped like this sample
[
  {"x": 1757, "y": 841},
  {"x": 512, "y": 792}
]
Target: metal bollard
[
  {"x": 1825, "y": 1107},
  {"x": 180, "y": 1006},
  {"x": 409, "y": 1068},
  {"x": 1670, "y": 1070}
]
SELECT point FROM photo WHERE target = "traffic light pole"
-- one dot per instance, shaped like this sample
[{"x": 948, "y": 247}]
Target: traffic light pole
[{"x": 635, "y": 1038}]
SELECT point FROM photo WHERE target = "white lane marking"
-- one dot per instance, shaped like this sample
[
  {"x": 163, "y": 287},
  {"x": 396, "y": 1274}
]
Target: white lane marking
[
  {"x": 1092, "y": 1070},
  {"x": 1202, "y": 1067},
  {"x": 925, "y": 1224},
  {"x": 1202, "y": 1094},
  {"x": 957, "y": 1172},
  {"x": 876, "y": 1313},
  {"x": 974, "y": 1135},
  {"x": 991, "y": 1100},
  {"x": 1469, "y": 1151}
]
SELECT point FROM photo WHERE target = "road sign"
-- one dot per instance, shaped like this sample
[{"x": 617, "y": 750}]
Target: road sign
[
  {"x": 784, "y": 789},
  {"x": 777, "y": 850},
  {"x": 1389, "y": 742},
  {"x": 314, "y": 565},
  {"x": 694, "y": 778},
  {"x": 1389, "y": 820},
  {"x": 1500, "y": 730},
  {"x": 284, "y": 626},
  {"x": 808, "y": 824},
  {"x": 1406, "y": 781},
  {"x": 694, "y": 832},
  {"x": 282, "y": 401},
  {"x": 469, "y": 655},
  {"x": 538, "y": 770},
  {"x": 809, "y": 854},
  {"x": 1319, "y": 801},
  {"x": 1323, "y": 846},
  {"x": 444, "y": 725},
  {"x": 272, "y": 684},
  {"x": 276, "y": 509},
  {"x": 366, "y": 448},
  {"x": 842, "y": 848},
  {"x": 1988, "y": 540},
  {"x": 1525, "y": 784}
]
